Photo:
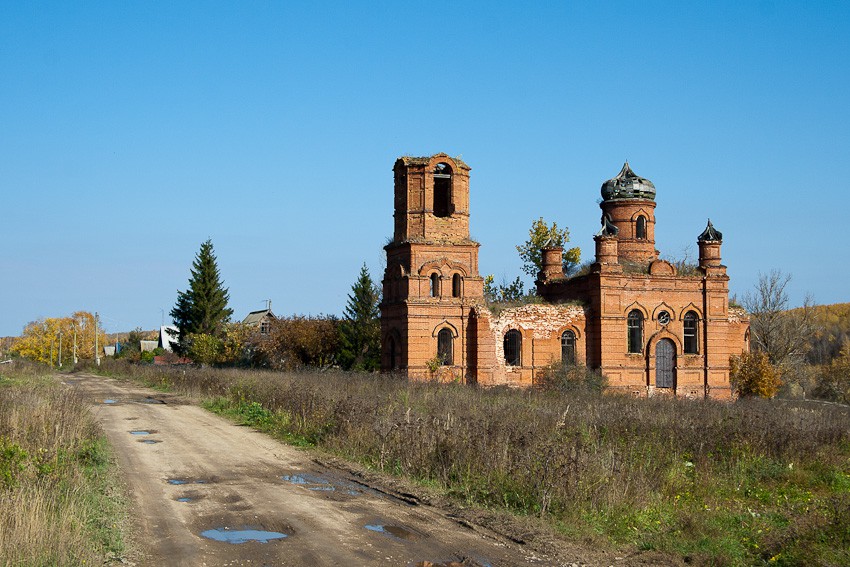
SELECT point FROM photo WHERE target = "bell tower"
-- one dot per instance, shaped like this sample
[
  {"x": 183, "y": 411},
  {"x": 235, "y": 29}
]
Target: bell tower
[{"x": 431, "y": 281}]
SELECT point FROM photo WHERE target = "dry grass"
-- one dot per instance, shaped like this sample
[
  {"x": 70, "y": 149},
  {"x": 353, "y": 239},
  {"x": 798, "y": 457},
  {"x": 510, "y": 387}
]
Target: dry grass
[
  {"x": 54, "y": 478},
  {"x": 722, "y": 484}
]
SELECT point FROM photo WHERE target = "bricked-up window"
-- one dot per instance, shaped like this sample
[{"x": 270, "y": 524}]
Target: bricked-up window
[
  {"x": 513, "y": 348},
  {"x": 435, "y": 285},
  {"x": 640, "y": 228},
  {"x": 635, "y": 324},
  {"x": 568, "y": 347},
  {"x": 445, "y": 351},
  {"x": 691, "y": 325},
  {"x": 442, "y": 190},
  {"x": 456, "y": 283}
]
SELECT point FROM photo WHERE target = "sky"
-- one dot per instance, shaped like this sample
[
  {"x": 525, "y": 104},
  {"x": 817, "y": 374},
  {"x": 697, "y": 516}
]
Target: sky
[{"x": 131, "y": 132}]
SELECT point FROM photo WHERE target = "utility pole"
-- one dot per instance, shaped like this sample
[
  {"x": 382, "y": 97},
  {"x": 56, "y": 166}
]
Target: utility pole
[
  {"x": 96, "y": 353},
  {"x": 75, "y": 343},
  {"x": 60, "y": 349},
  {"x": 52, "y": 344}
]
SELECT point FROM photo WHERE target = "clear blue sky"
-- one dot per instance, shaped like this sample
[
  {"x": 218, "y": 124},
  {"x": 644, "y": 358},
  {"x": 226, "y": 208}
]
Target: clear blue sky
[{"x": 130, "y": 132}]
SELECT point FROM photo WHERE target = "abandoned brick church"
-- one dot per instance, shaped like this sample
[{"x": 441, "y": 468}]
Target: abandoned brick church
[{"x": 645, "y": 326}]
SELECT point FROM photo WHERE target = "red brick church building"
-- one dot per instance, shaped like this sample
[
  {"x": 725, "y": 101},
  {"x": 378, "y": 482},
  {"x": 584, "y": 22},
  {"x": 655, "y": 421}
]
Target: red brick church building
[{"x": 647, "y": 327}]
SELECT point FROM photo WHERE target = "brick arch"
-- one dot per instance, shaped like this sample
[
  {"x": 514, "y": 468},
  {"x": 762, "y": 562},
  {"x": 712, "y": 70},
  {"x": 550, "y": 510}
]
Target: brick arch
[
  {"x": 664, "y": 333},
  {"x": 690, "y": 307},
  {"x": 444, "y": 324},
  {"x": 444, "y": 267},
  {"x": 639, "y": 307},
  {"x": 663, "y": 306},
  {"x": 641, "y": 212},
  {"x": 568, "y": 327}
]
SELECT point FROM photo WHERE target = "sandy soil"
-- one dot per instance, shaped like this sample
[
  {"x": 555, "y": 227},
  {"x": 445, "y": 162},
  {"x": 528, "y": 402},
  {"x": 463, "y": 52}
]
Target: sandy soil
[{"x": 189, "y": 471}]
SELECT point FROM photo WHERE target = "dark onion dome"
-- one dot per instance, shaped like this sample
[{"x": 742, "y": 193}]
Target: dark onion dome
[
  {"x": 628, "y": 185},
  {"x": 710, "y": 234}
]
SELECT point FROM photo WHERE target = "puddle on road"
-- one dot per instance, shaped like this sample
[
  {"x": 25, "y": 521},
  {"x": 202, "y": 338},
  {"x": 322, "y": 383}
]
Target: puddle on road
[
  {"x": 243, "y": 535},
  {"x": 110, "y": 402},
  {"x": 184, "y": 499},
  {"x": 149, "y": 400},
  {"x": 149, "y": 441},
  {"x": 396, "y": 532},
  {"x": 142, "y": 432},
  {"x": 319, "y": 484},
  {"x": 178, "y": 481}
]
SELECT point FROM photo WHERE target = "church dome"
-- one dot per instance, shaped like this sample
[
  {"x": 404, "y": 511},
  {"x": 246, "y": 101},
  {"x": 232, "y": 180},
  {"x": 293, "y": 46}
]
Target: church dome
[{"x": 628, "y": 185}]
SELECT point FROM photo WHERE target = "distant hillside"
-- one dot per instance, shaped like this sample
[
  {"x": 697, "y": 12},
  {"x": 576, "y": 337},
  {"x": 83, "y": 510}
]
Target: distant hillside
[{"x": 833, "y": 322}]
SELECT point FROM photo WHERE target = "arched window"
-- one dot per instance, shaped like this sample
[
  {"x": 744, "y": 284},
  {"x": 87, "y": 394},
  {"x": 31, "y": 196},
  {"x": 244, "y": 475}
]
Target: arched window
[
  {"x": 435, "y": 285},
  {"x": 444, "y": 347},
  {"x": 442, "y": 190},
  {"x": 393, "y": 361},
  {"x": 691, "y": 345},
  {"x": 640, "y": 228},
  {"x": 635, "y": 324},
  {"x": 568, "y": 347},
  {"x": 513, "y": 348},
  {"x": 456, "y": 283}
]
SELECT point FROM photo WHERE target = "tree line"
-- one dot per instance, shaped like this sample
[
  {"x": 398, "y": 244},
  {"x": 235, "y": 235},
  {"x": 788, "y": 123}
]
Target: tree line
[{"x": 207, "y": 336}]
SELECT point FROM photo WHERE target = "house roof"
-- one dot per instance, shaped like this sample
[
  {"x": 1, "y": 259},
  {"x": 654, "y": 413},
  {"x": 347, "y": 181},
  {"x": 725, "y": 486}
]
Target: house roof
[{"x": 255, "y": 317}]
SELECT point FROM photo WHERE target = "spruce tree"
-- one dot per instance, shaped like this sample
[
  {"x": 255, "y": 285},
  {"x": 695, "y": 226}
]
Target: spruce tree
[
  {"x": 360, "y": 330},
  {"x": 203, "y": 307}
]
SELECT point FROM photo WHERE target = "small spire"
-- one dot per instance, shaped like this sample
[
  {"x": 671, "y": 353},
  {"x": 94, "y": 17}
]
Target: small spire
[{"x": 710, "y": 234}]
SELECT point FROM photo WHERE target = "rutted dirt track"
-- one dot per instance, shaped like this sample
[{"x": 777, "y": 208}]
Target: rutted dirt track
[{"x": 189, "y": 471}]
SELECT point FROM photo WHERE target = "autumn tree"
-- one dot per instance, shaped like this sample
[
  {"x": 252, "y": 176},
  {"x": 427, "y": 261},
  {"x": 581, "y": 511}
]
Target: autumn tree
[
  {"x": 40, "y": 341},
  {"x": 541, "y": 236},
  {"x": 202, "y": 308},
  {"x": 298, "y": 342},
  {"x": 360, "y": 329},
  {"x": 834, "y": 382},
  {"x": 752, "y": 374}
]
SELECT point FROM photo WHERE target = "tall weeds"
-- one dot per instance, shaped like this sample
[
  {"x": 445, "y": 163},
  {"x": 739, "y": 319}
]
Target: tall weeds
[
  {"x": 54, "y": 482},
  {"x": 719, "y": 483}
]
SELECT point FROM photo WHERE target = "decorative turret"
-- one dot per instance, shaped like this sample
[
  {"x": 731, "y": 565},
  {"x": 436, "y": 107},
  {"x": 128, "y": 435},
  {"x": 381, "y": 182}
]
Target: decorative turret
[
  {"x": 553, "y": 263},
  {"x": 606, "y": 243},
  {"x": 709, "y": 246},
  {"x": 628, "y": 204}
]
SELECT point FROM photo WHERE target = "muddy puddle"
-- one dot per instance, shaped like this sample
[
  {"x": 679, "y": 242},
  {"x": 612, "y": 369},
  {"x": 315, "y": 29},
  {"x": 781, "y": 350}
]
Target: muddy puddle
[
  {"x": 150, "y": 441},
  {"x": 142, "y": 431},
  {"x": 110, "y": 402},
  {"x": 149, "y": 400},
  {"x": 180, "y": 481},
  {"x": 395, "y": 532},
  {"x": 319, "y": 483},
  {"x": 242, "y": 535}
]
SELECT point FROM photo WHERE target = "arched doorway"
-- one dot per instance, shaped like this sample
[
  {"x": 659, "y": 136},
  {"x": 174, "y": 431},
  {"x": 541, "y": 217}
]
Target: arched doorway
[{"x": 665, "y": 364}]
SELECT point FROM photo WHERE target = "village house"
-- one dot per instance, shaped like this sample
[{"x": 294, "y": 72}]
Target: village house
[{"x": 647, "y": 325}]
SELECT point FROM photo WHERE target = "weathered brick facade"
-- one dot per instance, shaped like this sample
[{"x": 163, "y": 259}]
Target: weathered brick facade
[{"x": 646, "y": 326}]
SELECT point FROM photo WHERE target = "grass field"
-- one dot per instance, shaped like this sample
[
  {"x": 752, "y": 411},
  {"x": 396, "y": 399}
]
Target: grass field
[
  {"x": 59, "y": 497},
  {"x": 747, "y": 483}
]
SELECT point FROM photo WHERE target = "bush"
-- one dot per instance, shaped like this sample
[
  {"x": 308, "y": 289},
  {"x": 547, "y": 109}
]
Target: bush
[
  {"x": 752, "y": 374},
  {"x": 572, "y": 377}
]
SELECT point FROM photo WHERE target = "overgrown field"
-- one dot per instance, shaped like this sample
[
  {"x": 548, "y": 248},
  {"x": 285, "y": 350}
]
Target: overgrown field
[
  {"x": 59, "y": 504},
  {"x": 753, "y": 482}
]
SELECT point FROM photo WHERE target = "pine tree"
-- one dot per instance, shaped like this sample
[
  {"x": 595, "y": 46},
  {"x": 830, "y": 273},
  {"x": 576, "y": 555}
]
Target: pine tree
[
  {"x": 202, "y": 309},
  {"x": 360, "y": 330}
]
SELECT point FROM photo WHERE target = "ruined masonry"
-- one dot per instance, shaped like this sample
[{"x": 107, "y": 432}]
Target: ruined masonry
[{"x": 649, "y": 328}]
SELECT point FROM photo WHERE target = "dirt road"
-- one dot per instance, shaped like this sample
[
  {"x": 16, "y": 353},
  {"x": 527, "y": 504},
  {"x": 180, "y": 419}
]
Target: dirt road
[{"x": 196, "y": 478}]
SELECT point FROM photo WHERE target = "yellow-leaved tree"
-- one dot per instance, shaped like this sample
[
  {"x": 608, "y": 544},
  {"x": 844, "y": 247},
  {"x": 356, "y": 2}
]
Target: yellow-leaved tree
[
  {"x": 754, "y": 375},
  {"x": 540, "y": 236},
  {"x": 41, "y": 340}
]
